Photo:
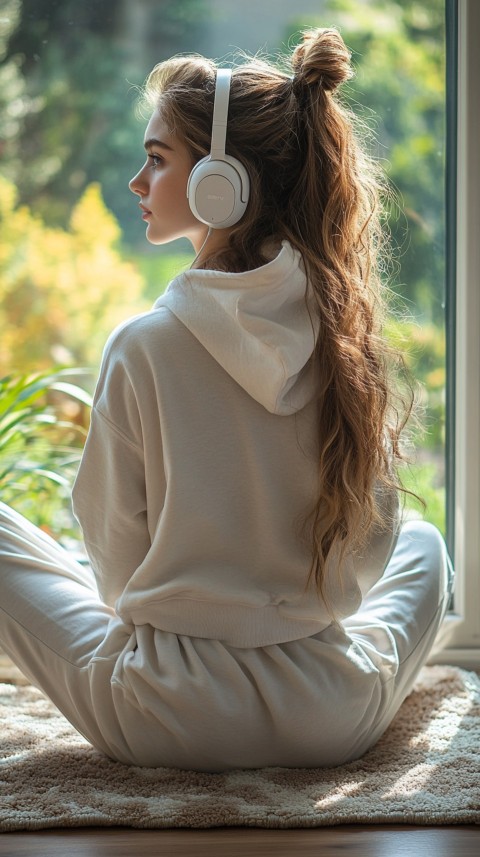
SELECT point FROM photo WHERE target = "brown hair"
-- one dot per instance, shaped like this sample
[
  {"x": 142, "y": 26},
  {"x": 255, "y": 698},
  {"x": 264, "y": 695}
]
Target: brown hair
[{"x": 313, "y": 185}]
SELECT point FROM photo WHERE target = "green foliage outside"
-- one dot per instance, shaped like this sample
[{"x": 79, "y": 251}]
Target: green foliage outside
[
  {"x": 71, "y": 270},
  {"x": 158, "y": 269},
  {"x": 70, "y": 71},
  {"x": 42, "y": 432},
  {"x": 398, "y": 94}
]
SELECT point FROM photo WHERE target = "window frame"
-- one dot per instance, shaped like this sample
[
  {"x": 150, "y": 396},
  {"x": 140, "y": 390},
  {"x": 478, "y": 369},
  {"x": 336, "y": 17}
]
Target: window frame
[{"x": 462, "y": 624}]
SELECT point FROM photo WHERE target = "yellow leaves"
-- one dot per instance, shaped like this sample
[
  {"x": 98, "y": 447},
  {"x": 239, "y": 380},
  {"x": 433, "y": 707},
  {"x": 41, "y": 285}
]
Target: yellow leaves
[
  {"x": 90, "y": 219},
  {"x": 436, "y": 379},
  {"x": 8, "y": 197},
  {"x": 61, "y": 291}
]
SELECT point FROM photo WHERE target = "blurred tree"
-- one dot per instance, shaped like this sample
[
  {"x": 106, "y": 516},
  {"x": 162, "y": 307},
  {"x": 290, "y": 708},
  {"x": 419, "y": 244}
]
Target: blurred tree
[
  {"x": 75, "y": 64},
  {"x": 14, "y": 103},
  {"x": 61, "y": 291},
  {"x": 399, "y": 92}
]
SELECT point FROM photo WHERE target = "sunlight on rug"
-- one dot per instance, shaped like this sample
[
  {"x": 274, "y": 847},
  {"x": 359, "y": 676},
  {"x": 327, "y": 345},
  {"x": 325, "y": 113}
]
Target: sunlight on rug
[{"x": 424, "y": 770}]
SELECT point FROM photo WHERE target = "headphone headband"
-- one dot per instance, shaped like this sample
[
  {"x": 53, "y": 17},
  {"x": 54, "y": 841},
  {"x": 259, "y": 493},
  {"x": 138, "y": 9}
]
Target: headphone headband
[
  {"x": 218, "y": 187},
  {"x": 220, "y": 113}
]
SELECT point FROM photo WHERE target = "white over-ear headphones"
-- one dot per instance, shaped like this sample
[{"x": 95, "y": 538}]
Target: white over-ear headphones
[{"x": 218, "y": 187}]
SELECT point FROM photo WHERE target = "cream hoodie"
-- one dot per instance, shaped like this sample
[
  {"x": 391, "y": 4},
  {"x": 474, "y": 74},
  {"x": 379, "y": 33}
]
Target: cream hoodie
[{"x": 200, "y": 464}]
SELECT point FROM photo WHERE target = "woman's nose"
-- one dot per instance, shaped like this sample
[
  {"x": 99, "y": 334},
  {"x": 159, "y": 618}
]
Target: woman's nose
[{"x": 137, "y": 184}]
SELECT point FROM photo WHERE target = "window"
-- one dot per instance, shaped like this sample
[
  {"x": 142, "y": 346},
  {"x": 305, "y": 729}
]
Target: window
[
  {"x": 464, "y": 645},
  {"x": 66, "y": 108}
]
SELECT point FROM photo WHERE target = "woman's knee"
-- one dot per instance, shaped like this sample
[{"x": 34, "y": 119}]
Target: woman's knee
[
  {"x": 427, "y": 553},
  {"x": 425, "y": 539}
]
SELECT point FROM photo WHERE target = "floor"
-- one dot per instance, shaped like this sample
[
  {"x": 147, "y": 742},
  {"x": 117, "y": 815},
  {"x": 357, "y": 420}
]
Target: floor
[{"x": 359, "y": 840}]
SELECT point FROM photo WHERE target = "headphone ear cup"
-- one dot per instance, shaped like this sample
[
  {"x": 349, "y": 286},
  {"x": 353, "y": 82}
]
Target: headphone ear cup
[{"x": 218, "y": 191}]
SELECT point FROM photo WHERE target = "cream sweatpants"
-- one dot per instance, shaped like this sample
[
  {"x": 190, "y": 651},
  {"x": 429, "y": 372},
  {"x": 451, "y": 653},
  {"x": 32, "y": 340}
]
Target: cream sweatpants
[{"x": 147, "y": 697}]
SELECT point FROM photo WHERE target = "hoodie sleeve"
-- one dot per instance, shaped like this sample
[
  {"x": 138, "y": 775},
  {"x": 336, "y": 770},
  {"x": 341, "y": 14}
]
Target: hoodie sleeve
[{"x": 109, "y": 495}]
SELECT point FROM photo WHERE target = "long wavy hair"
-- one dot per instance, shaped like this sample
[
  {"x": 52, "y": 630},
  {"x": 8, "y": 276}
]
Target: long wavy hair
[{"x": 313, "y": 184}]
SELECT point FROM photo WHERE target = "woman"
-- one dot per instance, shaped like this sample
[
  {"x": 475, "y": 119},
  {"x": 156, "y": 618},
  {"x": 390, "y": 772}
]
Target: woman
[{"x": 254, "y": 599}]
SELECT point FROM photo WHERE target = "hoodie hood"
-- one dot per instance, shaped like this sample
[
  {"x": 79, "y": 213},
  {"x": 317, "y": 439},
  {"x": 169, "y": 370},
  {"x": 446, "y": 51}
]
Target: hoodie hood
[{"x": 256, "y": 325}]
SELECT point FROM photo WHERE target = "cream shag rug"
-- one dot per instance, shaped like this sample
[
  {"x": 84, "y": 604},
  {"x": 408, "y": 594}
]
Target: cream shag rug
[{"x": 424, "y": 770}]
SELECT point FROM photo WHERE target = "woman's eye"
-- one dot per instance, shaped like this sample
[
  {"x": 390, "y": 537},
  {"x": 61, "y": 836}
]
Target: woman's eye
[{"x": 155, "y": 160}]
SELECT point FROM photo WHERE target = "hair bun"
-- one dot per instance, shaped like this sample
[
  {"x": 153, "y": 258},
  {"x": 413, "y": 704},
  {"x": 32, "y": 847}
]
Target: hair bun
[{"x": 322, "y": 59}]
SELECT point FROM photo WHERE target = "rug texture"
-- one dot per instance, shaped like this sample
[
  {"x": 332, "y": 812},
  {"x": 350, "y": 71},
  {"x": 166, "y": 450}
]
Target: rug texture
[{"x": 424, "y": 770}]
